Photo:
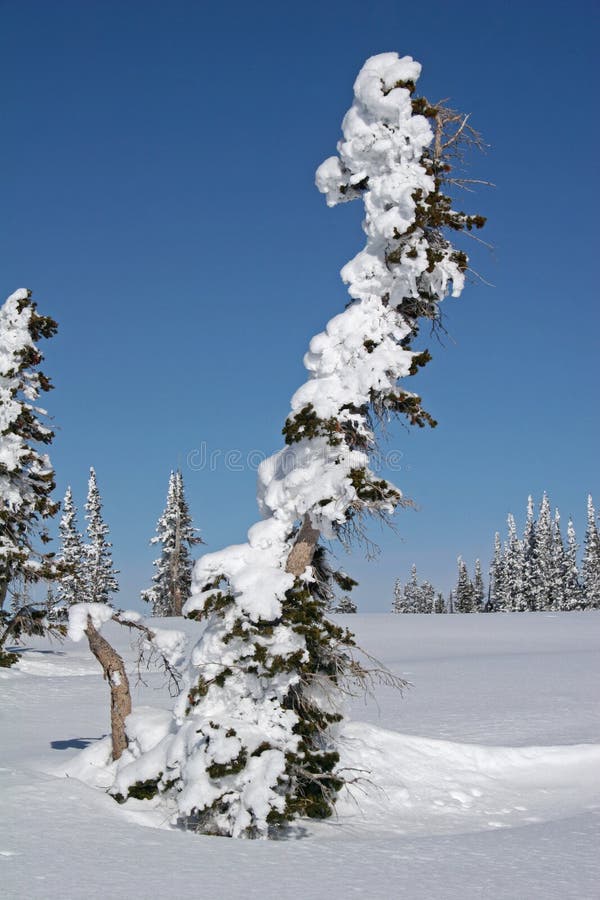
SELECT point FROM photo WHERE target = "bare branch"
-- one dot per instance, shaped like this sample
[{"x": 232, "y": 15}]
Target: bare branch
[{"x": 147, "y": 641}]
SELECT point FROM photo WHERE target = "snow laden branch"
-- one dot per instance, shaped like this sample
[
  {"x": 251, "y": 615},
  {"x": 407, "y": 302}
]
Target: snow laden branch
[{"x": 252, "y": 744}]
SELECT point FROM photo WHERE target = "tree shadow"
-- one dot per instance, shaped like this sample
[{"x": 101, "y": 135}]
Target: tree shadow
[{"x": 73, "y": 743}]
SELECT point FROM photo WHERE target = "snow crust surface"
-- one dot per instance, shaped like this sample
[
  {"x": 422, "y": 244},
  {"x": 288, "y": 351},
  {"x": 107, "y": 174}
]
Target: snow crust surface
[{"x": 483, "y": 781}]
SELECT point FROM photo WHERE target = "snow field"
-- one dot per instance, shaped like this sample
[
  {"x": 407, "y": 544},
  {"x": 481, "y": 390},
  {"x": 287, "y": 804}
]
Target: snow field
[{"x": 426, "y": 817}]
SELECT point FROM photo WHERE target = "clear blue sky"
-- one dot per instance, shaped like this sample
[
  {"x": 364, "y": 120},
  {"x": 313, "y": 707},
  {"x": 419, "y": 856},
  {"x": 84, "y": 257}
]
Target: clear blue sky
[{"x": 157, "y": 169}]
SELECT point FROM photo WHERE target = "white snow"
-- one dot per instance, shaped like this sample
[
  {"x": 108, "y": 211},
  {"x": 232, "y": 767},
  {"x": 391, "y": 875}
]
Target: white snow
[
  {"x": 99, "y": 613},
  {"x": 483, "y": 781},
  {"x": 130, "y": 615},
  {"x": 171, "y": 643}
]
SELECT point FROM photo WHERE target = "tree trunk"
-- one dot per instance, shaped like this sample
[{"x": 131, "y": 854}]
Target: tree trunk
[
  {"x": 3, "y": 591},
  {"x": 301, "y": 554},
  {"x": 120, "y": 696}
]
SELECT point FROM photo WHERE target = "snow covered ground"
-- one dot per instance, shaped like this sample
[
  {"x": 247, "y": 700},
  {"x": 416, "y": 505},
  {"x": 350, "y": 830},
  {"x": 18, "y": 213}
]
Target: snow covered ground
[{"x": 483, "y": 780}]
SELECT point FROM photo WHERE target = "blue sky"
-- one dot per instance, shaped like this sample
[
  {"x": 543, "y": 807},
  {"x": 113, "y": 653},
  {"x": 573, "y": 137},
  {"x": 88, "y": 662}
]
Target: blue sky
[{"x": 157, "y": 193}]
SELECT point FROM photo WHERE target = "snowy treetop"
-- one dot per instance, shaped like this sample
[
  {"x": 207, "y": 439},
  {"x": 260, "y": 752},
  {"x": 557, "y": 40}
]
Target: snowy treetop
[{"x": 362, "y": 353}]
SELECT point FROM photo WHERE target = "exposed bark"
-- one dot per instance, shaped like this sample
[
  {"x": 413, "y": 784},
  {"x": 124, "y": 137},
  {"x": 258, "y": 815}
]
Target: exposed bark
[
  {"x": 3, "y": 591},
  {"x": 120, "y": 695},
  {"x": 301, "y": 554}
]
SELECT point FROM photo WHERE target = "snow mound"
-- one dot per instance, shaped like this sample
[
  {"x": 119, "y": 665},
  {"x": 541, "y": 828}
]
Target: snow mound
[
  {"x": 418, "y": 786},
  {"x": 398, "y": 784}
]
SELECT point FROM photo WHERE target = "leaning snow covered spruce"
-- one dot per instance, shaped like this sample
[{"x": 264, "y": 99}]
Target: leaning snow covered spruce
[{"x": 252, "y": 743}]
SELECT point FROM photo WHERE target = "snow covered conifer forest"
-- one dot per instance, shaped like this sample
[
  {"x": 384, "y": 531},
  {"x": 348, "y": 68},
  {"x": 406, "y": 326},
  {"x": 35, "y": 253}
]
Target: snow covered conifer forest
[
  {"x": 536, "y": 573},
  {"x": 240, "y": 707}
]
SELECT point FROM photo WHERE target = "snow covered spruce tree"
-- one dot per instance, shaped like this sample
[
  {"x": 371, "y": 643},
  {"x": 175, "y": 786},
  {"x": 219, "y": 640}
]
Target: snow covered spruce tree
[
  {"x": 464, "y": 593},
  {"x": 174, "y": 531},
  {"x": 71, "y": 585},
  {"x": 531, "y": 575},
  {"x": 345, "y": 605},
  {"x": 514, "y": 598},
  {"x": 410, "y": 599},
  {"x": 99, "y": 576},
  {"x": 591, "y": 560},
  {"x": 411, "y": 596},
  {"x": 252, "y": 745},
  {"x": 398, "y": 602},
  {"x": 26, "y": 474},
  {"x": 539, "y": 597},
  {"x": 416, "y": 597},
  {"x": 497, "y": 585},
  {"x": 427, "y": 598},
  {"x": 573, "y": 596},
  {"x": 558, "y": 568},
  {"x": 478, "y": 588}
]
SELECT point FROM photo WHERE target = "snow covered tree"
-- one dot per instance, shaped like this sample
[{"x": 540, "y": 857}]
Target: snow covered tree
[
  {"x": 497, "y": 591},
  {"x": 478, "y": 588},
  {"x": 345, "y": 605},
  {"x": 539, "y": 597},
  {"x": 440, "y": 604},
  {"x": 558, "y": 568},
  {"x": 398, "y": 601},
  {"x": 532, "y": 588},
  {"x": 98, "y": 574},
  {"x": 411, "y": 597},
  {"x": 465, "y": 596},
  {"x": 177, "y": 536},
  {"x": 573, "y": 597},
  {"x": 591, "y": 560},
  {"x": 514, "y": 598},
  {"x": 451, "y": 605},
  {"x": 416, "y": 597},
  {"x": 253, "y": 738},
  {"x": 26, "y": 474},
  {"x": 71, "y": 583},
  {"x": 54, "y": 608},
  {"x": 426, "y": 597}
]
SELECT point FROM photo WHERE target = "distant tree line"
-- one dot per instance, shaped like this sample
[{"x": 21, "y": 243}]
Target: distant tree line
[
  {"x": 538, "y": 571},
  {"x": 84, "y": 562}
]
